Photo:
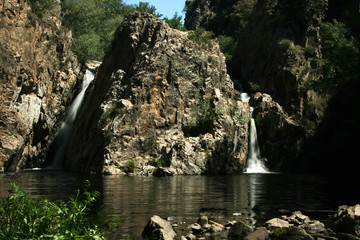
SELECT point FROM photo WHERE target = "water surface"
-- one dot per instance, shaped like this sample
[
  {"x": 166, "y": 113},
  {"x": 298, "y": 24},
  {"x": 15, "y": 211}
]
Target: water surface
[{"x": 183, "y": 198}]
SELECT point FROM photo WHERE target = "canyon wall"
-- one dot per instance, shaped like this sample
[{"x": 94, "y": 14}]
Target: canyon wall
[{"x": 38, "y": 74}]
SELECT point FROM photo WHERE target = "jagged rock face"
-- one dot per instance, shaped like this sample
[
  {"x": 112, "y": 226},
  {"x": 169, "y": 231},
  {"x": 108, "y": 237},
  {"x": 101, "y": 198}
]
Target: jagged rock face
[
  {"x": 280, "y": 137},
  {"x": 274, "y": 54},
  {"x": 159, "y": 95},
  {"x": 38, "y": 72}
]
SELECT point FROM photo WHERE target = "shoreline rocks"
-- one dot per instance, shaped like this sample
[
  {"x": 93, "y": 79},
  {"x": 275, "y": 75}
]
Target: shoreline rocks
[{"x": 297, "y": 226}]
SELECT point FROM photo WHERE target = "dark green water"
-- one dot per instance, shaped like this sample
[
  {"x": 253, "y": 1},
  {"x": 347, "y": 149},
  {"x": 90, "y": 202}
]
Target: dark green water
[{"x": 183, "y": 198}]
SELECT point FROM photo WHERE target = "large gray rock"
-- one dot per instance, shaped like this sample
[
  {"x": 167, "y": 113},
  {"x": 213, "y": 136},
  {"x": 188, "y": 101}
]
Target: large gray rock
[
  {"x": 347, "y": 220},
  {"x": 277, "y": 223},
  {"x": 259, "y": 234},
  {"x": 240, "y": 230},
  {"x": 161, "y": 98},
  {"x": 159, "y": 229}
]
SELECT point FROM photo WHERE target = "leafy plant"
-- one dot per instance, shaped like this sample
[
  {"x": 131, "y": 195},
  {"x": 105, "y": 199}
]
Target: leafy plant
[
  {"x": 200, "y": 35},
  {"x": 159, "y": 162},
  {"x": 237, "y": 114},
  {"x": 341, "y": 58},
  {"x": 227, "y": 46},
  {"x": 280, "y": 234},
  {"x": 39, "y": 7},
  {"x": 204, "y": 117},
  {"x": 129, "y": 166},
  {"x": 25, "y": 217},
  {"x": 175, "y": 22}
]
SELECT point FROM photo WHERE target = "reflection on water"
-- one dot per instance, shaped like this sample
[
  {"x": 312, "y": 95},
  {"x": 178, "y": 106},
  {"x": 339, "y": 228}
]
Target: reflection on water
[{"x": 183, "y": 198}]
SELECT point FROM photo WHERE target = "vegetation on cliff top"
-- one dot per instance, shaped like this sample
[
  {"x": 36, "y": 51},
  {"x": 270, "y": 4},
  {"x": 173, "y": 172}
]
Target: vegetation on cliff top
[{"x": 94, "y": 22}]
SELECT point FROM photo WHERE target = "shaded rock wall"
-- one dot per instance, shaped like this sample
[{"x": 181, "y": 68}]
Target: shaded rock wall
[
  {"x": 158, "y": 96},
  {"x": 223, "y": 17},
  {"x": 38, "y": 73},
  {"x": 274, "y": 57}
]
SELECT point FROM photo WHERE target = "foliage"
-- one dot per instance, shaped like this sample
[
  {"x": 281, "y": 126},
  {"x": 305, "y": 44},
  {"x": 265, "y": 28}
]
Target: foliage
[
  {"x": 341, "y": 58},
  {"x": 39, "y": 7},
  {"x": 200, "y": 35},
  {"x": 254, "y": 87},
  {"x": 159, "y": 162},
  {"x": 227, "y": 46},
  {"x": 146, "y": 7},
  {"x": 280, "y": 234},
  {"x": 204, "y": 116},
  {"x": 129, "y": 166},
  {"x": 93, "y": 23},
  {"x": 175, "y": 22},
  {"x": 24, "y": 217},
  {"x": 242, "y": 11},
  {"x": 237, "y": 114}
]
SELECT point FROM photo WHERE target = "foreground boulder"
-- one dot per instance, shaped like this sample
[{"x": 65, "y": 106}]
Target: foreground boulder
[
  {"x": 160, "y": 99},
  {"x": 348, "y": 220},
  {"x": 159, "y": 229}
]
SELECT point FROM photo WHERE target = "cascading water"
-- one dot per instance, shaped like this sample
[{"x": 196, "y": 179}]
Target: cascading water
[
  {"x": 254, "y": 162},
  {"x": 65, "y": 130}
]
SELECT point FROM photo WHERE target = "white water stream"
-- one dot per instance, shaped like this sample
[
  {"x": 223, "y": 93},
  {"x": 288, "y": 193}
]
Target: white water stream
[
  {"x": 65, "y": 130},
  {"x": 255, "y": 163}
]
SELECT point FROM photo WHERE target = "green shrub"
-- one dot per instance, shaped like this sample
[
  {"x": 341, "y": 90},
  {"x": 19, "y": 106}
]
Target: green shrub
[
  {"x": 200, "y": 35},
  {"x": 129, "y": 166},
  {"x": 159, "y": 162},
  {"x": 237, "y": 114},
  {"x": 25, "y": 217},
  {"x": 227, "y": 46},
  {"x": 254, "y": 87},
  {"x": 280, "y": 234},
  {"x": 175, "y": 22},
  {"x": 204, "y": 116},
  {"x": 341, "y": 58},
  {"x": 39, "y": 7}
]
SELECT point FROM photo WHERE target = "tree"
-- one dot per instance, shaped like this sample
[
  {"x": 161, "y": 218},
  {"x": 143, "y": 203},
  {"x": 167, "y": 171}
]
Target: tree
[
  {"x": 146, "y": 7},
  {"x": 175, "y": 22}
]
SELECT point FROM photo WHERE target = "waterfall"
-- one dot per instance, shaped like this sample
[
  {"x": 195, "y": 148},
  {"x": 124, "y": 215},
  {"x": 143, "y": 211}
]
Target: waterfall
[
  {"x": 63, "y": 135},
  {"x": 254, "y": 162}
]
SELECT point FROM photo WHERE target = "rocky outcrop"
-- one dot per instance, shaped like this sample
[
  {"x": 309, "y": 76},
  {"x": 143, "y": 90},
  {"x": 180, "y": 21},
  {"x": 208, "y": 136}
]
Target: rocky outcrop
[
  {"x": 160, "y": 99},
  {"x": 279, "y": 135},
  {"x": 38, "y": 73}
]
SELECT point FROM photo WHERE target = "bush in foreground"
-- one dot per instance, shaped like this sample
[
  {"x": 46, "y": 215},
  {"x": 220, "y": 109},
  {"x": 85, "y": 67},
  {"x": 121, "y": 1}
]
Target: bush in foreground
[{"x": 25, "y": 217}]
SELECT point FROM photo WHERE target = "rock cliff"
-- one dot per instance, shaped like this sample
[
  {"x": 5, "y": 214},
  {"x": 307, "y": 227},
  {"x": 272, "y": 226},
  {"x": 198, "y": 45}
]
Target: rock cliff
[
  {"x": 160, "y": 99},
  {"x": 38, "y": 73},
  {"x": 274, "y": 56}
]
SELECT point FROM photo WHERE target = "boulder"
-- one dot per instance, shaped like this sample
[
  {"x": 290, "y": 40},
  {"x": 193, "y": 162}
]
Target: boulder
[
  {"x": 158, "y": 228},
  {"x": 260, "y": 233},
  {"x": 277, "y": 223},
  {"x": 347, "y": 220},
  {"x": 240, "y": 230},
  {"x": 203, "y": 220}
]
